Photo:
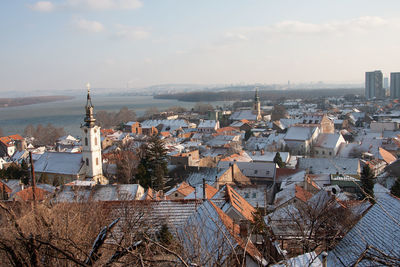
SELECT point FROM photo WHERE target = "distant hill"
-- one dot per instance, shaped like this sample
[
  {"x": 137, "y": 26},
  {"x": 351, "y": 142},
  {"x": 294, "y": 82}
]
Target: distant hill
[{"x": 23, "y": 101}]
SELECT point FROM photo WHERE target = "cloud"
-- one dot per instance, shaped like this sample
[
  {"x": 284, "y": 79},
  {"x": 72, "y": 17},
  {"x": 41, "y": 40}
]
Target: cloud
[
  {"x": 42, "y": 6},
  {"x": 290, "y": 27},
  {"x": 88, "y": 25},
  {"x": 104, "y": 4},
  {"x": 131, "y": 33}
]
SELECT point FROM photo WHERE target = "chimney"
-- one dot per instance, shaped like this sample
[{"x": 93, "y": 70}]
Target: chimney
[
  {"x": 324, "y": 259},
  {"x": 204, "y": 189},
  {"x": 233, "y": 172},
  {"x": 262, "y": 151},
  {"x": 243, "y": 229},
  {"x": 216, "y": 182}
]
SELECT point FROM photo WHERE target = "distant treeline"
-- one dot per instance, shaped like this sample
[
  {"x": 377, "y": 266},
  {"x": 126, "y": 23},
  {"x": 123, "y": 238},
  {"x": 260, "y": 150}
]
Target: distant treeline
[
  {"x": 22, "y": 101},
  {"x": 207, "y": 96}
]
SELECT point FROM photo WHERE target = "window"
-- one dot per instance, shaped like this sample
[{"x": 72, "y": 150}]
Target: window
[
  {"x": 316, "y": 152},
  {"x": 255, "y": 171},
  {"x": 87, "y": 162},
  {"x": 86, "y": 141},
  {"x": 97, "y": 161},
  {"x": 246, "y": 195},
  {"x": 323, "y": 152},
  {"x": 254, "y": 195},
  {"x": 330, "y": 153}
]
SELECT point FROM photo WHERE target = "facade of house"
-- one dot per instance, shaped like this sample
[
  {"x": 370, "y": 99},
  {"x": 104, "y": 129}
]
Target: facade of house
[
  {"x": 133, "y": 127},
  {"x": 191, "y": 158},
  {"x": 321, "y": 121},
  {"x": 11, "y": 144},
  {"x": 208, "y": 126},
  {"x": 300, "y": 139},
  {"x": 327, "y": 145}
]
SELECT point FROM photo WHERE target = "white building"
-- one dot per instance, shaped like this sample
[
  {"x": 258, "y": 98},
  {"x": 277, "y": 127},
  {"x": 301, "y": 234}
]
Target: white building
[
  {"x": 327, "y": 145},
  {"x": 208, "y": 126},
  {"x": 91, "y": 144}
]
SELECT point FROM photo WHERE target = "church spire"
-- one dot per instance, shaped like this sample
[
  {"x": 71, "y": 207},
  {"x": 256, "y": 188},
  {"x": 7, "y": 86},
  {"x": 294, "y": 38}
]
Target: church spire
[
  {"x": 89, "y": 119},
  {"x": 256, "y": 97}
]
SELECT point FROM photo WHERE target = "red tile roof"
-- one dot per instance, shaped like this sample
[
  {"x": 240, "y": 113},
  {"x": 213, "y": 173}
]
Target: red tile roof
[
  {"x": 27, "y": 194},
  {"x": 185, "y": 189},
  {"x": 5, "y": 187},
  {"x": 387, "y": 156},
  {"x": 302, "y": 194},
  {"x": 234, "y": 230},
  {"x": 8, "y": 140},
  {"x": 240, "y": 204}
]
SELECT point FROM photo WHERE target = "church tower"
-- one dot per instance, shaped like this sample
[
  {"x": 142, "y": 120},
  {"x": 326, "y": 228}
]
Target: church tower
[
  {"x": 91, "y": 152},
  {"x": 257, "y": 106}
]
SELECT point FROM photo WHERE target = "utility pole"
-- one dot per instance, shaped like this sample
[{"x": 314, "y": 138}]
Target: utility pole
[{"x": 33, "y": 177}]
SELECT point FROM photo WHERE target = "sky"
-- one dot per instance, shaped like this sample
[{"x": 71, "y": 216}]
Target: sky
[{"x": 63, "y": 44}]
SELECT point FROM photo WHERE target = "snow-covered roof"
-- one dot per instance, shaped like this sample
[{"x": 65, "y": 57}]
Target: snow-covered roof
[
  {"x": 309, "y": 259},
  {"x": 170, "y": 123},
  {"x": 299, "y": 133},
  {"x": 253, "y": 169},
  {"x": 243, "y": 115},
  {"x": 59, "y": 162},
  {"x": 328, "y": 140},
  {"x": 379, "y": 229},
  {"x": 257, "y": 156},
  {"x": 207, "y": 124},
  {"x": 330, "y": 166},
  {"x": 209, "y": 174},
  {"x": 99, "y": 193}
]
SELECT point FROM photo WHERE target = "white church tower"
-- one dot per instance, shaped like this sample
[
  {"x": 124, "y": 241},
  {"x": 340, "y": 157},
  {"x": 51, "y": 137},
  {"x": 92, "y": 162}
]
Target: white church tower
[
  {"x": 91, "y": 152},
  {"x": 257, "y": 106}
]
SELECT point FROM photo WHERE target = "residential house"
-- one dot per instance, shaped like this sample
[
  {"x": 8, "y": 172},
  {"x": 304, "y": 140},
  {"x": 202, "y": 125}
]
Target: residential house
[
  {"x": 322, "y": 121},
  {"x": 10, "y": 144},
  {"x": 212, "y": 238},
  {"x": 327, "y": 145},
  {"x": 344, "y": 166},
  {"x": 258, "y": 172},
  {"x": 374, "y": 240},
  {"x": 180, "y": 191},
  {"x": 191, "y": 158},
  {"x": 133, "y": 127},
  {"x": 208, "y": 126},
  {"x": 299, "y": 140}
]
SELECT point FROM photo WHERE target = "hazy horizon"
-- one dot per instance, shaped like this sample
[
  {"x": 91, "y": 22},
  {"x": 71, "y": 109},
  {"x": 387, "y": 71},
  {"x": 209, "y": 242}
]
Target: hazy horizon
[{"x": 62, "y": 44}]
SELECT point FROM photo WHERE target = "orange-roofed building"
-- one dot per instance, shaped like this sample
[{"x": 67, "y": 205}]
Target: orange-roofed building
[
  {"x": 5, "y": 191},
  {"x": 239, "y": 207},
  {"x": 27, "y": 194},
  {"x": 191, "y": 158},
  {"x": 211, "y": 226},
  {"x": 10, "y": 144},
  {"x": 302, "y": 194},
  {"x": 388, "y": 157},
  {"x": 106, "y": 132},
  {"x": 180, "y": 191}
]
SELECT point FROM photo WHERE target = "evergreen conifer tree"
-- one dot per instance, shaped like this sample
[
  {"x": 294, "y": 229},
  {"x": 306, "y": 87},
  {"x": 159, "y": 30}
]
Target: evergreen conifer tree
[
  {"x": 152, "y": 168},
  {"x": 278, "y": 160},
  {"x": 395, "y": 190},
  {"x": 367, "y": 183}
]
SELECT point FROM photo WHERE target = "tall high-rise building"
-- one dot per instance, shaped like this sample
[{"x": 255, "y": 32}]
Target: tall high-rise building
[
  {"x": 373, "y": 84},
  {"x": 394, "y": 85}
]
